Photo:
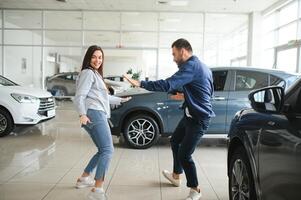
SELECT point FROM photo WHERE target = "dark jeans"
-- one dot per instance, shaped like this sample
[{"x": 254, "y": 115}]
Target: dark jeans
[{"x": 183, "y": 143}]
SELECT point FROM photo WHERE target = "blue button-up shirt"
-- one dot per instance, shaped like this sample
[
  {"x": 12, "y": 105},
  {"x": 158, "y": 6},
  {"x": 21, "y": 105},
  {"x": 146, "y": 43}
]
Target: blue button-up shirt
[{"x": 195, "y": 78}]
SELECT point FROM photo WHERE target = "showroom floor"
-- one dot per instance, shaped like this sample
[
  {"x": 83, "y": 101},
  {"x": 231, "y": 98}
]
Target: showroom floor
[{"x": 44, "y": 161}]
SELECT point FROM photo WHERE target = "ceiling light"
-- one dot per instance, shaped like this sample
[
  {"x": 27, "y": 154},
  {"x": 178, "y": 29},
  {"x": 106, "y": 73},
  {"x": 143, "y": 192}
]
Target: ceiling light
[
  {"x": 64, "y": 1},
  {"x": 162, "y": 2}
]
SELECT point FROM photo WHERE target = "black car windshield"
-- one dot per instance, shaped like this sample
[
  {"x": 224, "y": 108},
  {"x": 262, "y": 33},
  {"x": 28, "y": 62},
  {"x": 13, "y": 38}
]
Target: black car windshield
[{"x": 6, "y": 82}]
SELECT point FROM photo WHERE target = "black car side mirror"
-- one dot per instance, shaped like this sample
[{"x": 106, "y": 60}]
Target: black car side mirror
[{"x": 268, "y": 99}]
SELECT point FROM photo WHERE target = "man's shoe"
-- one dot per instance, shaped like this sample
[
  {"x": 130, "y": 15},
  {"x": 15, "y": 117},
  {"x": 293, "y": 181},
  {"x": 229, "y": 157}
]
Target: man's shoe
[
  {"x": 97, "y": 194},
  {"x": 194, "y": 195},
  {"x": 84, "y": 182},
  {"x": 168, "y": 176}
]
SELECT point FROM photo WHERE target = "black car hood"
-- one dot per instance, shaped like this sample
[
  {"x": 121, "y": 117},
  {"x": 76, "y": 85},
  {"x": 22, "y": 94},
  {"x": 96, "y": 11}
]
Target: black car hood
[{"x": 133, "y": 92}]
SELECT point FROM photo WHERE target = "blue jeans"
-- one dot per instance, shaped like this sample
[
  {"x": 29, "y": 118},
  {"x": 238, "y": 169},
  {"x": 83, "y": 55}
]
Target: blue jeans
[
  {"x": 184, "y": 140},
  {"x": 100, "y": 133}
]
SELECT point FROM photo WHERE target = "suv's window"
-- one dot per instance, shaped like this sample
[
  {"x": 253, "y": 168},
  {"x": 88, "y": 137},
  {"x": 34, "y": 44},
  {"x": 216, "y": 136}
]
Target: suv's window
[
  {"x": 219, "y": 80},
  {"x": 248, "y": 80},
  {"x": 75, "y": 77},
  {"x": 69, "y": 77},
  {"x": 274, "y": 80}
]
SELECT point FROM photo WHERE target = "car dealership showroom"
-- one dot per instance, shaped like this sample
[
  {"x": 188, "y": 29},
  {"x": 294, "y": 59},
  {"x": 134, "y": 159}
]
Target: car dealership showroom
[{"x": 150, "y": 99}]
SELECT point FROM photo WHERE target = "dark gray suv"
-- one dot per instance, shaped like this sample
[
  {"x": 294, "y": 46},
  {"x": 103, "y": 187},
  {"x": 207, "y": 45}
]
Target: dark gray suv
[{"x": 264, "y": 152}]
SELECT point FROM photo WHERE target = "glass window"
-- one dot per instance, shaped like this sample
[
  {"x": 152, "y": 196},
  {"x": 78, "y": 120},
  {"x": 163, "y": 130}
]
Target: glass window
[
  {"x": 287, "y": 60},
  {"x": 248, "y": 80},
  {"x": 299, "y": 27},
  {"x": 269, "y": 40},
  {"x": 136, "y": 21},
  {"x": 63, "y": 38},
  {"x": 1, "y": 18},
  {"x": 225, "y": 43},
  {"x": 102, "y": 38},
  {"x": 63, "y": 20},
  {"x": 219, "y": 80},
  {"x": 287, "y": 33},
  {"x": 167, "y": 66},
  {"x": 189, "y": 22},
  {"x": 288, "y": 14},
  {"x": 119, "y": 61},
  {"x": 62, "y": 59},
  {"x": 102, "y": 20},
  {"x": 1, "y": 67},
  {"x": 268, "y": 58},
  {"x": 23, "y": 19},
  {"x": 22, "y": 37},
  {"x": 23, "y": 65},
  {"x": 195, "y": 39},
  {"x": 139, "y": 39},
  {"x": 269, "y": 23}
]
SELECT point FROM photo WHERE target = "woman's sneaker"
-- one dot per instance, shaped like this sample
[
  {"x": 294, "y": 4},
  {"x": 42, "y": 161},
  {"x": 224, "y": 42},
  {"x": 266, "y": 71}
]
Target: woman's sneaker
[
  {"x": 194, "y": 195},
  {"x": 84, "y": 182},
  {"x": 97, "y": 194},
  {"x": 168, "y": 176}
]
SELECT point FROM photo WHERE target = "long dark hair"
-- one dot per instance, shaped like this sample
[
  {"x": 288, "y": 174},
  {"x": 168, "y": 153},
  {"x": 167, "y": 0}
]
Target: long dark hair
[{"x": 88, "y": 56}]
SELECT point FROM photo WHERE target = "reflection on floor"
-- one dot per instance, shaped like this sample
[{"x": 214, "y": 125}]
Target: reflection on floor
[{"x": 44, "y": 161}]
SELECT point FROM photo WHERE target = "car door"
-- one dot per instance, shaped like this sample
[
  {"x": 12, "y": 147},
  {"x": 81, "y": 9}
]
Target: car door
[
  {"x": 174, "y": 112},
  {"x": 221, "y": 82},
  {"x": 279, "y": 158},
  {"x": 244, "y": 82}
]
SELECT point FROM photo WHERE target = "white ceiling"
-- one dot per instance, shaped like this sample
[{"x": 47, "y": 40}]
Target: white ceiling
[{"x": 229, "y": 6}]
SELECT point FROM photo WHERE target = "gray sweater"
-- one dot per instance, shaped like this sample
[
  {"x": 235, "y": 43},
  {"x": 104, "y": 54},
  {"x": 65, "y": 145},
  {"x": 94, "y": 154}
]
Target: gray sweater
[{"x": 92, "y": 93}]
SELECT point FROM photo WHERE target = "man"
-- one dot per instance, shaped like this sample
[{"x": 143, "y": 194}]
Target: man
[{"x": 195, "y": 79}]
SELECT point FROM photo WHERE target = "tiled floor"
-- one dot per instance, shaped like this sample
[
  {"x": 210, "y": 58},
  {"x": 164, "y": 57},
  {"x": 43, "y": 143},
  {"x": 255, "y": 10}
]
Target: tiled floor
[{"x": 44, "y": 161}]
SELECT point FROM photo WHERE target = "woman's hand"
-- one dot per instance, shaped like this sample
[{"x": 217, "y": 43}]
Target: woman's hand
[
  {"x": 125, "y": 99},
  {"x": 83, "y": 119}
]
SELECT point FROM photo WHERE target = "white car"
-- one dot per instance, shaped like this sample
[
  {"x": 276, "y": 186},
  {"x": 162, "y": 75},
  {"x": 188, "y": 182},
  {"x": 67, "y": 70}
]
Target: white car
[{"x": 23, "y": 105}]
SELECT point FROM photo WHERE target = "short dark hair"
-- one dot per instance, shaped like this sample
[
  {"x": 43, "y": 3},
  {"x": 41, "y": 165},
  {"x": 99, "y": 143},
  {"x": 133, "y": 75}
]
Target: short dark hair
[
  {"x": 88, "y": 56},
  {"x": 182, "y": 43}
]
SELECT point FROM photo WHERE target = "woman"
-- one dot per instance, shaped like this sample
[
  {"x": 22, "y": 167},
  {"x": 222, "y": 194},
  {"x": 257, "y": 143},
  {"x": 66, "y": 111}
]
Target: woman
[{"x": 92, "y": 101}]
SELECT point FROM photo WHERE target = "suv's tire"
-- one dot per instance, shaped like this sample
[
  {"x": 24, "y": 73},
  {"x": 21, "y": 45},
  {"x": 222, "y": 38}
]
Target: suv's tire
[
  {"x": 241, "y": 182},
  {"x": 6, "y": 123},
  {"x": 141, "y": 131}
]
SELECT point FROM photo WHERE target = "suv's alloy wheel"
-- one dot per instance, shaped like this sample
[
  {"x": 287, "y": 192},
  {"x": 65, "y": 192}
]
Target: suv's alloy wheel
[{"x": 141, "y": 131}]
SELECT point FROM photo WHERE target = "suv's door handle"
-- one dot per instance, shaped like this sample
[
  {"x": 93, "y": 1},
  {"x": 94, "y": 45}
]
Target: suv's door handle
[{"x": 218, "y": 98}]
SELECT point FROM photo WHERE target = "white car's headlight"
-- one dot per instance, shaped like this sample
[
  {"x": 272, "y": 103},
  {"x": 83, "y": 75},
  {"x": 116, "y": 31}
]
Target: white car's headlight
[{"x": 24, "y": 98}]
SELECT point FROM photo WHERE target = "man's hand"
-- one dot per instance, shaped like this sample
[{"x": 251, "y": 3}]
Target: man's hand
[
  {"x": 178, "y": 96},
  {"x": 132, "y": 81}
]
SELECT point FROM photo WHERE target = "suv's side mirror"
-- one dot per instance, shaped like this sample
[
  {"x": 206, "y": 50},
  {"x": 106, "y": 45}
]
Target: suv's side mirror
[{"x": 268, "y": 99}]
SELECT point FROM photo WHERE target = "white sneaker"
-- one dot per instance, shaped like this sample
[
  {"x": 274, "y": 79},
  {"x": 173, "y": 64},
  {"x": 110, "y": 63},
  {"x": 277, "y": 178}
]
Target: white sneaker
[
  {"x": 98, "y": 194},
  {"x": 85, "y": 182},
  {"x": 168, "y": 176},
  {"x": 194, "y": 195}
]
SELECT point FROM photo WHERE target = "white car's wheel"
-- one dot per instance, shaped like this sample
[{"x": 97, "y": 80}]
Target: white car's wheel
[{"x": 6, "y": 123}]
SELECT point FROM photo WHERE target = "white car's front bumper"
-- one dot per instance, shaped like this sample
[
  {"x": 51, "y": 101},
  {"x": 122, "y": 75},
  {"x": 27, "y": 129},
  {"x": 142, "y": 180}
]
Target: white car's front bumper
[{"x": 32, "y": 113}]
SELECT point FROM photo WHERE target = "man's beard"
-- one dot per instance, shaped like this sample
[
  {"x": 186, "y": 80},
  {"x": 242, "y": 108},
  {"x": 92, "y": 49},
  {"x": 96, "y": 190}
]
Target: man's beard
[{"x": 179, "y": 63}]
